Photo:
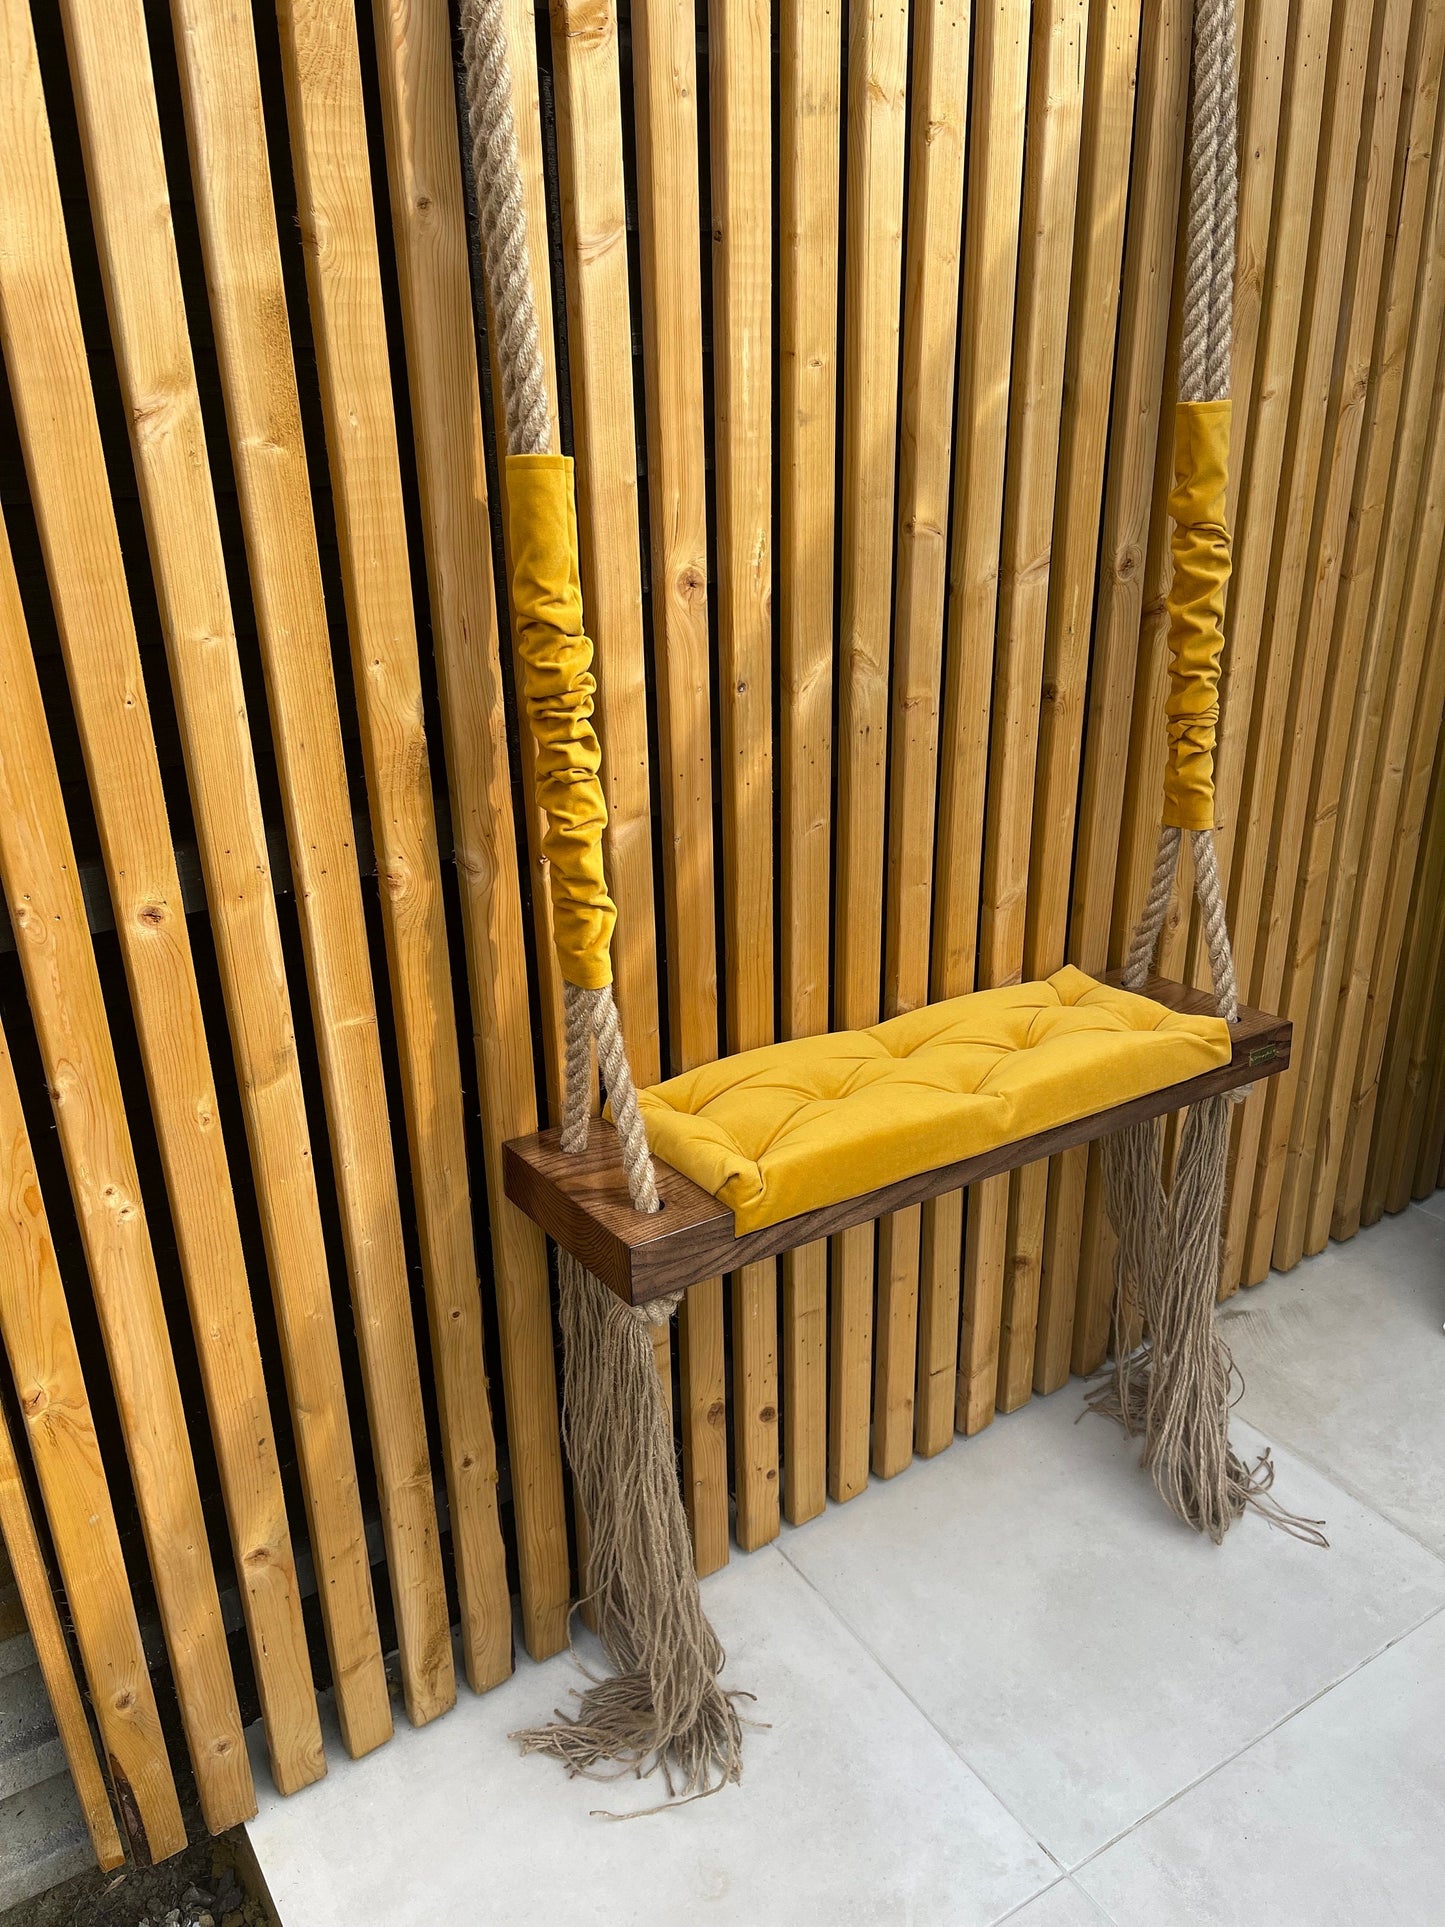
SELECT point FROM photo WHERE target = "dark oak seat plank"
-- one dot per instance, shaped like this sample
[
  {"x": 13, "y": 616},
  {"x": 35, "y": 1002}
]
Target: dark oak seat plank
[{"x": 581, "y": 1199}]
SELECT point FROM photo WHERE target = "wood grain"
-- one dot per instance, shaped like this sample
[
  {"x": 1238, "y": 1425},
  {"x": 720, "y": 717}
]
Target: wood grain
[
  {"x": 45, "y": 355},
  {"x": 810, "y": 85},
  {"x": 42, "y": 890},
  {"x": 27, "y": 1562},
  {"x": 229, "y": 168},
  {"x": 1003, "y": 1272},
  {"x": 665, "y": 93},
  {"x": 918, "y": 1331},
  {"x": 125, "y": 168},
  {"x": 60, "y": 1429},
  {"x": 740, "y": 106},
  {"x": 1094, "y": 322}
]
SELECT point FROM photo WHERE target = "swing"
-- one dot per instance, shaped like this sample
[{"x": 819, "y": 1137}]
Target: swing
[
  {"x": 764, "y": 1150},
  {"x": 767, "y": 1151},
  {"x": 760, "y": 1153}
]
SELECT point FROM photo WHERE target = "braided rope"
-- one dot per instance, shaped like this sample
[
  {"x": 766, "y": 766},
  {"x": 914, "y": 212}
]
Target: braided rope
[
  {"x": 502, "y": 217},
  {"x": 589, "y": 1014},
  {"x": 1208, "y": 890},
  {"x": 1226, "y": 212},
  {"x": 1200, "y": 244},
  {"x": 576, "y": 1076},
  {"x": 1151, "y": 919}
]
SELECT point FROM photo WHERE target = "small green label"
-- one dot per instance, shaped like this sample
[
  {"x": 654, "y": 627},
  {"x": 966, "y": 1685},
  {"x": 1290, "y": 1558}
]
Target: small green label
[{"x": 1262, "y": 1054}]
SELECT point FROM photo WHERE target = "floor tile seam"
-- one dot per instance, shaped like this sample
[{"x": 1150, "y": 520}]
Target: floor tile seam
[
  {"x": 923, "y": 1713},
  {"x": 1106, "y": 1919},
  {"x": 1249, "y": 1745}
]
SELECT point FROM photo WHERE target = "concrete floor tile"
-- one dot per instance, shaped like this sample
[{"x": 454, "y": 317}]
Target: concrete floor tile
[
  {"x": 1336, "y": 1819},
  {"x": 1087, "y": 1654},
  {"x": 1063, "y": 1905},
  {"x": 1343, "y": 1361},
  {"x": 852, "y": 1810}
]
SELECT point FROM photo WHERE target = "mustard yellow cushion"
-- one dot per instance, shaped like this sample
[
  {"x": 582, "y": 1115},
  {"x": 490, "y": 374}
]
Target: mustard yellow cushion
[{"x": 795, "y": 1126}]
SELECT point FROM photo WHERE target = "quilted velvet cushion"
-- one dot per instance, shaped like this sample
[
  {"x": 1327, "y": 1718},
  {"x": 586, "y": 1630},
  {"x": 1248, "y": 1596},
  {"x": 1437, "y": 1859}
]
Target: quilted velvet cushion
[{"x": 794, "y": 1126}]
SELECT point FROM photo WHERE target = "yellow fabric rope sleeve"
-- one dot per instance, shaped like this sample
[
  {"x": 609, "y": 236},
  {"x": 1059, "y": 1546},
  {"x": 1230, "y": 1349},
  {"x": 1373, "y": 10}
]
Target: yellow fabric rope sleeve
[
  {"x": 559, "y": 688},
  {"x": 1196, "y": 609}
]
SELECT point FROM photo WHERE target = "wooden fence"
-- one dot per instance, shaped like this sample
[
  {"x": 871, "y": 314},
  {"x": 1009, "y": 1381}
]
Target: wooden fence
[{"x": 861, "y": 325}]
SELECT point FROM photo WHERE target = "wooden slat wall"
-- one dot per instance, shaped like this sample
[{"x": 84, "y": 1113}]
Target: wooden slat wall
[
  {"x": 18, "y": 1536},
  {"x": 874, "y": 554}
]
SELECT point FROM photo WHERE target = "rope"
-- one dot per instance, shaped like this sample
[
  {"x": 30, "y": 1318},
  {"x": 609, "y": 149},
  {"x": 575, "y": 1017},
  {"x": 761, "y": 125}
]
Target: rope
[
  {"x": 1151, "y": 919},
  {"x": 590, "y": 1014},
  {"x": 502, "y": 219},
  {"x": 1216, "y": 925},
  {"x": 1210, "y": 894}
]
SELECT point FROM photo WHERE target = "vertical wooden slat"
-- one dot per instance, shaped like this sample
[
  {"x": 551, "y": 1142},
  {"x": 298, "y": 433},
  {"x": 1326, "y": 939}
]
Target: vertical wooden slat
[
  {"x": 1004, "y": 1270},
  {"x": 55, "y": 413},
  {"x": 1405, "y": 1066},
  {"x": 18, "y": 1536},
  {"x": 217, "y": 59},
  {"x": 740, "y": 107},
  {"x": 1427, "y": 1147},
  {"x": 320, "y": 58},
  {"x": 1105, "y": 142},
  {"x": 1412, "y": 731},
  {"x": 42, "y": 891},
  {"x": 1371, "y": 787},
  {"x": 918, "y": 1335},
  {"x": 1304, "y": 597},
  {"x": 120, "y": 131},
  {"x": 1292, "y": 664},
  {"x": 1314, "y": 982},
  {"x": 35, "y": 1324},
  {"x": 1128, "y": 509},
  {"x": 877, "y": 130},
  {"x": 997, "y": 111},
  {"x": 1264, "y": 32},
  {"x": 429, "y": 223},
  {"x": 811, "y": 93},
  {"x": 665, "y": 94}
]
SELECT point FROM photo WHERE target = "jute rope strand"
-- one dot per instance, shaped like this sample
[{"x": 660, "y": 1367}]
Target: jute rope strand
[
  {"x": 1175, "y": 1389},
  {"x": 1145, "y": 940},
  {"x": 502, "y": 218},
  {"x": 662, "y": 1709}
]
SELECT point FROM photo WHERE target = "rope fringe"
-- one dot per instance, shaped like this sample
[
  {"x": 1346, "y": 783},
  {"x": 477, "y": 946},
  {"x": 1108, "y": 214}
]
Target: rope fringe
[
  {"x": 663, "y": 1709},
  {"x": 1176, "y": 1390}
]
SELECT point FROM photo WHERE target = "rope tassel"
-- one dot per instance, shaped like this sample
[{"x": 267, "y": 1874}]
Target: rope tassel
[
  {"x": 663, "y": 1708},
  {"x": 1176, "y": 1389}
]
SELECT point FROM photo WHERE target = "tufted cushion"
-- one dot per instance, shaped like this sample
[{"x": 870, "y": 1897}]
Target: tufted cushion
[{"x": 794, "y": 1126}]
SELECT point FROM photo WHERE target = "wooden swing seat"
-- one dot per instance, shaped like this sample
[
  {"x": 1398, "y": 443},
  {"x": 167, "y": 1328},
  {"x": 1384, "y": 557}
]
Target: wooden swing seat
[{"x": 581, "y": 1199}]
